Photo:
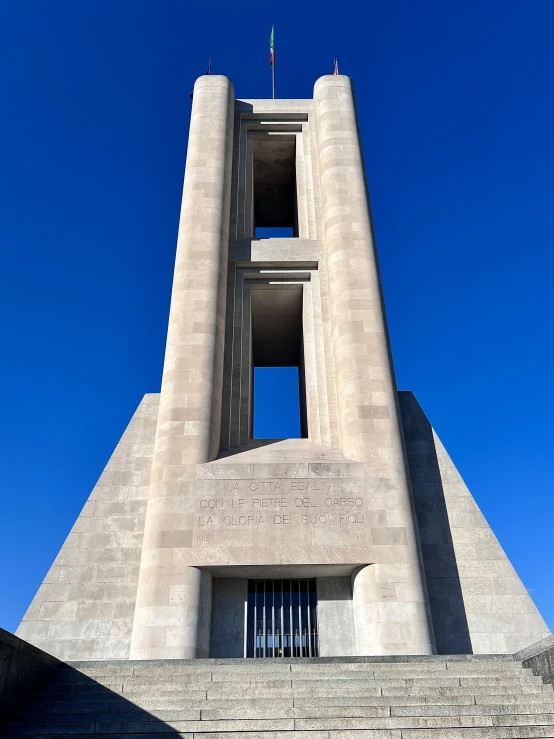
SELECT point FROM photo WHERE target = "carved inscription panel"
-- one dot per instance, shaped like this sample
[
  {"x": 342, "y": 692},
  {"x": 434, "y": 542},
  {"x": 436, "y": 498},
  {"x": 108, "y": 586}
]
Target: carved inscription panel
[{"x": 285, "y": 512}]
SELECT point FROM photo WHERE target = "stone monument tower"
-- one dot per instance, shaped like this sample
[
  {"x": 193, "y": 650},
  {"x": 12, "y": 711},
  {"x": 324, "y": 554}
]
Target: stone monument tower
[{"x": 360, "y": 538}]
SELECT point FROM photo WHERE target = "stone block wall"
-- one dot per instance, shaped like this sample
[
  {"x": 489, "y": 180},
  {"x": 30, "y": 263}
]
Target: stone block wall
[
  {"x": 84, "y": 608},
  {"x": 478, "y": 602}
]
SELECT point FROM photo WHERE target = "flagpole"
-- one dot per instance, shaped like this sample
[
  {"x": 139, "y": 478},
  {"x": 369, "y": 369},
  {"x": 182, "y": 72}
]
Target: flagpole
[{"x": 272, "y": 60}]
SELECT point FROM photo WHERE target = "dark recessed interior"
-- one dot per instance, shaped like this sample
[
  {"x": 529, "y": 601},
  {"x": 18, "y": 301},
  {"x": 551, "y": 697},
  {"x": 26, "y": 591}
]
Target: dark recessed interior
[
  {"x": 276, "y": 326},
  {"x": 275, "y": 182}
]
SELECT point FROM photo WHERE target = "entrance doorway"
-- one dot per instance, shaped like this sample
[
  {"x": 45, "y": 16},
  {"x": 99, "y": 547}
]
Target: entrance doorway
[{"x": 281, "y": 619}]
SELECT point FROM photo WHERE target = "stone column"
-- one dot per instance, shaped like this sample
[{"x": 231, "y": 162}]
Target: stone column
[
  {"x": 172, "y": 616},
  {"x": 395, "y": 611}
]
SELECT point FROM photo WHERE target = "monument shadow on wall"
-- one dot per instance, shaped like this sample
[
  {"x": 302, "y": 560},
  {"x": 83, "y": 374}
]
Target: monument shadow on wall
[{"x": 439, "y": 558}]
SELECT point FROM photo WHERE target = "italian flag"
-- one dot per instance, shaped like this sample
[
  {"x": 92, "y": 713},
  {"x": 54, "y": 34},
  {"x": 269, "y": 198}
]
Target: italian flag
[{"x": 272, "y": 47}]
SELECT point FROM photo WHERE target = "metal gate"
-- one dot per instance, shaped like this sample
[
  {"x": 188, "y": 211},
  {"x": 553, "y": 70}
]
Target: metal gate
[{"x": 281, "y": 618}]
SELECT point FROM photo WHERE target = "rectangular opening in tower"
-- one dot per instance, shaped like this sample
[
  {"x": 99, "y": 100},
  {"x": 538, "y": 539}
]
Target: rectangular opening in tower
[
  {"x": 275, "y": 202},
  {"x": 279, "y": 406}
]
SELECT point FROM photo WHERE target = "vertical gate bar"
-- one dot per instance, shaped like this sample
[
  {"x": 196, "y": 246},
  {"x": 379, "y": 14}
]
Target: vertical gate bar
[
  {"x": 282, "y": 620},
  {"x": 263, "y": 619},
  {"x": 298, "y": 616},
  {"x": 313, "y": 641},
  {"x": 309, "y": 619},
  {"x": 255, "y": 618},
  {"x": 246, "y": 622},
  {"x": 314, "y": 625},
  {"x": 273, "y": 618},
  {"x": 303, "y": 617},
  {"x": 300, "y": 619},
  {"x": 291, "y": 621}
]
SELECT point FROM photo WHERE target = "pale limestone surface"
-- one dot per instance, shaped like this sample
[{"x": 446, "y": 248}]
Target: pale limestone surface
[
  {"x": 330, "y": 511},
  {"x": 478, "y": 602},
  {"x": 390, "y": 613},
  {"x": 336, "y": 617},
  {"x": 174, "y": 599},
  {"x": 228, "y": 607},
  {"x": 221, "y": 507},
  {"x": 84, "y": 608}
]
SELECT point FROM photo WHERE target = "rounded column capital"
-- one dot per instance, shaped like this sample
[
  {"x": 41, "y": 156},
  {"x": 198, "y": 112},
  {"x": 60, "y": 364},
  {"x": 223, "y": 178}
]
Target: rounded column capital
[
  {"x": 330, "y": 81},
  {"x": 213, "y": 80}
]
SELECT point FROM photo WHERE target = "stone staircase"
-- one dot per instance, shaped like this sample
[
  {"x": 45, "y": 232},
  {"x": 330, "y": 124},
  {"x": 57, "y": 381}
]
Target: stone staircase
[{"x": 456, "y": 697}]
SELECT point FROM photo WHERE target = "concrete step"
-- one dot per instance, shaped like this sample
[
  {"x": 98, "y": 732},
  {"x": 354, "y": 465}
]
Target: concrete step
[
  {"x": 372, "y": 712},
  {"x": 41, "y": 707},
  {"x": 212, "y": 691},
  {"x": 237, "y": 693},
  {"x": 430, "y": 722},
  {"x": 176, "y": 684},
  {"x": 444, "y": 678},
  {"x": 521, "y": 684},
  {"x": 471, "y": 710},
  {"x": 116, "y": 703},
  {"x": 309, "y": 722},
  {"x": 263, "y": 725},
  {"x": 214, "y": 735},
  {"x": 530, "y": 684},
  {"x": 515, "y": 681},
  {"x": 215, "y": 714},
  {"x": 419, "y": 667},
  {"x": 530, "y": 732},
  {"x": 154, "y": 703},
  {"x": 146, "y": 727},
  {"x": 98, "y": 698},
  {"x": 519, "y": 713},
  {"x": 344, "y": 662},
  {"x": 393, "y": 702},
  {"x": 469, "y": 689},
  {"x": 277, "y": 665},
  {"x": 93, "y": 669},
  {"x": 418, "y": 700},
  {"x": 225, "y": 690},
  {"x": 379, "y": 698},
  {"x": 186, "y": 676},
  {"x": 510, "y": 699},
  {"x": 129, "y": 714},
  {"x": 484, "y": 732},
  {"x": 474, "y": 672}
]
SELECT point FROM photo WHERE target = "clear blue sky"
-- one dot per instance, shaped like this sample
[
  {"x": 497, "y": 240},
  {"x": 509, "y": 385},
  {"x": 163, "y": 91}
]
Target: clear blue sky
[{"x": 456, "y": 105}]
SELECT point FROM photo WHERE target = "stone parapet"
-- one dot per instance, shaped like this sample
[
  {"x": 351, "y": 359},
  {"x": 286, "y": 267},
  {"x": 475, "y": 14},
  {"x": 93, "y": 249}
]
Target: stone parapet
[
  {"x": 23, "y": 669},
  {"x": 539, "y": 658}
]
